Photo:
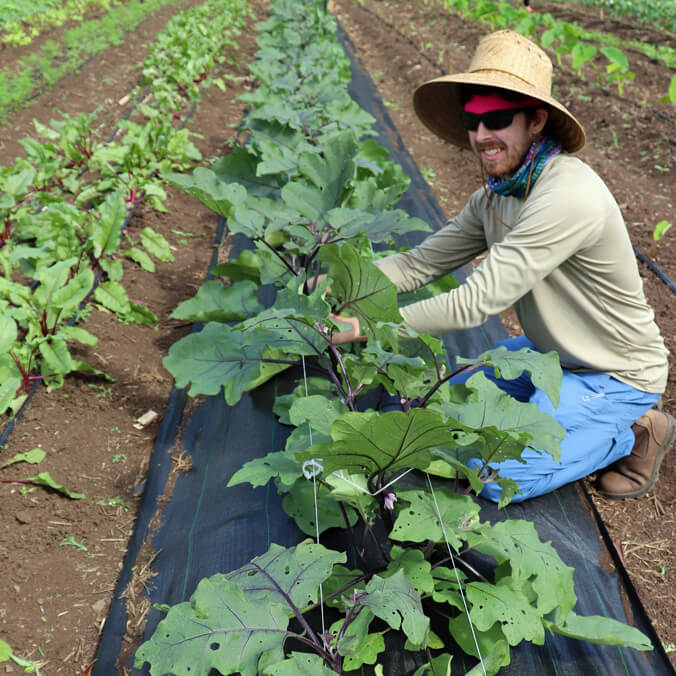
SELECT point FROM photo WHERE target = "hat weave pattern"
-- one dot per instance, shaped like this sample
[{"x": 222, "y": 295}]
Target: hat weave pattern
[{"x": 504, "y": 60}]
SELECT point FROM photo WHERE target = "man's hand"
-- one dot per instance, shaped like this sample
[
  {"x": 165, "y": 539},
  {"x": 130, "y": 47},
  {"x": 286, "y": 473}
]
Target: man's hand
[{"x": 350, "y": 335}]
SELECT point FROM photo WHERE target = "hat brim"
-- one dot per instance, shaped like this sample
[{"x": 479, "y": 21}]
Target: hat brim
[{"x": 438, "y": 104}]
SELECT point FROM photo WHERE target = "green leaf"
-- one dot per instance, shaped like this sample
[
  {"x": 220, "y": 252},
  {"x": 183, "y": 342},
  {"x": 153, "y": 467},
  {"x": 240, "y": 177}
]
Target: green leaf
[
  {"x": 671, "y": 95},
  {"x": 215, "y": 302},
  {"x": 8, "y": 390},
  {"x": 603, "y": 630},
  {"x": 439, "y": 666},
  {"x": 259, "y": 471},
  {"x": 220, "y": 628},
  {"x": 369, "y": 442},
  {"x": 544, "y": 369},
  {"x": 511, "y": 423},
  {"x": 247, "y": 266},
  {"x": 661, "y": 228},
  {"x": 240, "y": 166},
  {"x": 106, "y": 230},
  {"x": 8, "y": 333},
  {"x": 216, "y": 357},
  {"x": 492, "y": 644},
  {"x": 205, "y": 186},
  {"x": 317, "y": 410},
  {"x": 44, "y": 479},
  {"x": 284, "y": 575},
  {"x": 420, "y": 521},
  {"x": 582, "y": 53},
  {"x": 418, "y": 571},
  {"x": 68, "y": 297},
  {"x": 5, "y": 651},
  {"x": 113, "y": 297},
  {"x": 33, "y": 457},
  {"x": 381, "y": 226},
  {"x": 616, "y": 55},
  {"x": 517, "y": 542},
  {"x": 298, "y": 664},
  {"x": 498, "y": 603},
  {"x": 360, "y": 287},
  {"x": 141, "y": 257},
  {"x": 156, "y": 244},
  {"x": 78, "y": 333},
  {"x": 352, "y": 489},
  {"x": 323, "y": 178},
  {"x": 356, "y": 645},
  {"x": 395, "y": 601},
  {"x": 18, "y": 183},
  {"x": 300, "y": 505},
  {"x": 56, "y": 357}
]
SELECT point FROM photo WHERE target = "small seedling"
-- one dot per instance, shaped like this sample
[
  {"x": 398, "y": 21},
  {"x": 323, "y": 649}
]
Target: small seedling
[
  {"x": 119, "y": 457},
  {"x": 658, "y": 233},
  {"x": 113, "y": 502},
  {"x": 72, "y": 542}
]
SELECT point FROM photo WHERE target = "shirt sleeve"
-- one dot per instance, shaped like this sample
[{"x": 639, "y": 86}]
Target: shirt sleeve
[
  {"x": 552, "y": 225},
  {"x": 457, "y": 243}
]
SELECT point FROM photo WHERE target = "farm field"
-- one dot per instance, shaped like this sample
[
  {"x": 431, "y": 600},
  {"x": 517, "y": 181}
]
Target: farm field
[{"x": 62, "y": 556}]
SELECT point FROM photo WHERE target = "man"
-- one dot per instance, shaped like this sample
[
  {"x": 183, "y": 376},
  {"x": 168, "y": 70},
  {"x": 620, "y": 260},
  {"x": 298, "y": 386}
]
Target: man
[{"x": 560, "y": 254}]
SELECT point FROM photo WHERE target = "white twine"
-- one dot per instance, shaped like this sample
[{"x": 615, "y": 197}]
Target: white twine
[
  {"x": 457, "y": 577},
  {"x": 316, "y": 468}
]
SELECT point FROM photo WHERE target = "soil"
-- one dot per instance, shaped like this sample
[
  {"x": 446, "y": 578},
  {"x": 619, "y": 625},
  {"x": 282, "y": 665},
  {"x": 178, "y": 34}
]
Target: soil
[{"x": 56, "y": 595}]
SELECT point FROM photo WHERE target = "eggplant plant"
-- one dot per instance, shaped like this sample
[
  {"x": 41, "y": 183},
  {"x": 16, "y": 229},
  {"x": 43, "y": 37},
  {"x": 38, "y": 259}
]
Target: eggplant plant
[{"x": 383, "y": 449}]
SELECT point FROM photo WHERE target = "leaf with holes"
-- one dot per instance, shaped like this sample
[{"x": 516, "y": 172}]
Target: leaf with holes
[
  {"x": 520, "y": 621},
  {"x": 219, "y": 628},
  {"x": 517, "y": 542},
  {"x": 397, "y": 602},
  {"x": 420, "y": 520},
  {"x": 289, "y": 576}
]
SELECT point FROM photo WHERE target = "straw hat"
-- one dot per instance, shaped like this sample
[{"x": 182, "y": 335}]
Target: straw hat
[{"x": 506, "y": 60}]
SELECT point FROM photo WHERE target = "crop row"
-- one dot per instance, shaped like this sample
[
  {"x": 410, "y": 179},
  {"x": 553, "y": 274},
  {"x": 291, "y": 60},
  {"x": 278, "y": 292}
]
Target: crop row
[
  {"x": 66, "y": 206},
  {"x": 658, "y": 13},
  {"x": 22, "y": 22},
  {"x": 34, "y": 73},
  {"x": 565, "y": 38}
]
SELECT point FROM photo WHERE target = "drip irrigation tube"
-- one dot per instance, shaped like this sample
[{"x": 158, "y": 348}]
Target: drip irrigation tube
[{"x": 639, "y": 254}]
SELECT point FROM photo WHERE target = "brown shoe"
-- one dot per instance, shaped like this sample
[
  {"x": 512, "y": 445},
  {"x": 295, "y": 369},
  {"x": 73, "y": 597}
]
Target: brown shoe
[{"x": 635, "y": 474}]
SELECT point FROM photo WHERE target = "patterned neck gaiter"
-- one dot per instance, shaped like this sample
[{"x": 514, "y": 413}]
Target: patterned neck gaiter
[{"x": 541, "y": 151}]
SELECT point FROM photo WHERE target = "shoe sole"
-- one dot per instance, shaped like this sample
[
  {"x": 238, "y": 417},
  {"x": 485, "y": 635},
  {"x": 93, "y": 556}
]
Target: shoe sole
[{"x": 666, "y": 444}]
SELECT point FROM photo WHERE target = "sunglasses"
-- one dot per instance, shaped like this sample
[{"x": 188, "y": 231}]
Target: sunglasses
[{"x": 495, "y": 119}]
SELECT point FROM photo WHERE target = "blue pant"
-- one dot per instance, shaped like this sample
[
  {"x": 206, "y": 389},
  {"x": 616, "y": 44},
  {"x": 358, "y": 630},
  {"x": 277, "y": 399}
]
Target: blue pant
[{"x": 597, "y": 412}]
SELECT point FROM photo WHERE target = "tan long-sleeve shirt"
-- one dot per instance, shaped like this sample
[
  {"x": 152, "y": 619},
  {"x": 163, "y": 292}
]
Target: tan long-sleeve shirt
[{"x": 566, "y": 265}]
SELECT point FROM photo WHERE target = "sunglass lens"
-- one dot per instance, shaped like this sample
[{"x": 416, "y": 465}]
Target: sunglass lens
[
  {"x": 496, "y": 119},
  {"x": 499, "y": 119}
]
